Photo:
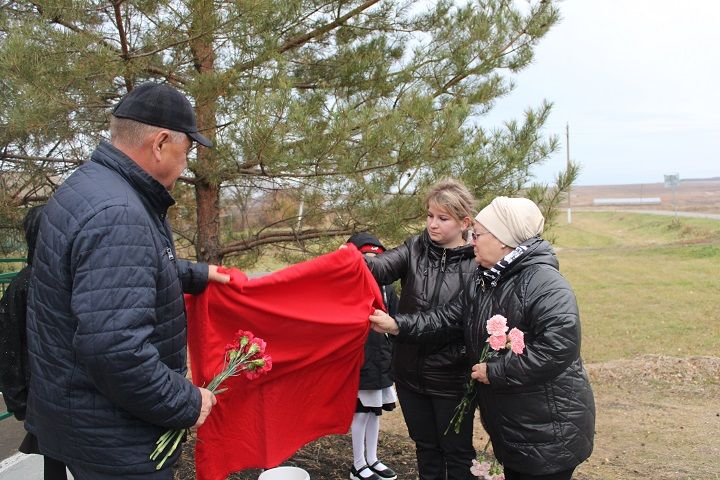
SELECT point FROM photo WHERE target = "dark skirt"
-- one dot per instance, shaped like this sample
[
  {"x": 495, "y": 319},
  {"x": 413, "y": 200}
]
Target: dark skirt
[{"x": 360, "y": 408}]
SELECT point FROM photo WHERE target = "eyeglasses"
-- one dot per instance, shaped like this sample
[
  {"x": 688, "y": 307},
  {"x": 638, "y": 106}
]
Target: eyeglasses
[{"x": 476, "y": 235}]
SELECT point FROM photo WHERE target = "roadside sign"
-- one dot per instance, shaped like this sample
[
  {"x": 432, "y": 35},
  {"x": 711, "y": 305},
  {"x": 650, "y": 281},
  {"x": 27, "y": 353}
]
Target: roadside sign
[{"x": 672, "y": 180}]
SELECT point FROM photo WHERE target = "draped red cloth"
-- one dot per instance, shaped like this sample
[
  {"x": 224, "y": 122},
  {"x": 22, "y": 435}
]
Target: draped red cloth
[{"x": 314, "y": 318}]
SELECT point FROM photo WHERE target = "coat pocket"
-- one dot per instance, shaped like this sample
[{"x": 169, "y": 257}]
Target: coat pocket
[{"x": 523, "y": 417}]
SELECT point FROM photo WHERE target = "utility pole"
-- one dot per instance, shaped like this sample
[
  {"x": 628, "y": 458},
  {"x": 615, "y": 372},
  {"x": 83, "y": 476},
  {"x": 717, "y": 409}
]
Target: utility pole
[{"x": 567, "y": 150}]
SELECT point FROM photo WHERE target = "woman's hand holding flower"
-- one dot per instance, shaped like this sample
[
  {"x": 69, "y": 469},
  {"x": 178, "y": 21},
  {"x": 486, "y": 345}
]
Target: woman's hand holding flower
[
  {"x": 498, "y": 339},
  {"x": 479, "y": 373}
]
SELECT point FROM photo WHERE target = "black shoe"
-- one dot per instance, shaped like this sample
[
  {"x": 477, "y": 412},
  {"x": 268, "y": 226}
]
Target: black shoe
[
  {"x": 386, "y": 474},
  {"x": 355, "y": 474}
]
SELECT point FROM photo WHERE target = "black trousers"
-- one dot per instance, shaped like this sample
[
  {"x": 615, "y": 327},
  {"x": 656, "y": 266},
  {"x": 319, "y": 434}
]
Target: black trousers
[
  {"x": 52, "y": 469},
  {"x": 513, "y": 475},
  {"x": 439, "y": 456}
]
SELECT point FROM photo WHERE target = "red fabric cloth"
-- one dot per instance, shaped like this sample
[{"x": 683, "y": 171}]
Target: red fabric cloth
[{"x": 314, "y": 318}]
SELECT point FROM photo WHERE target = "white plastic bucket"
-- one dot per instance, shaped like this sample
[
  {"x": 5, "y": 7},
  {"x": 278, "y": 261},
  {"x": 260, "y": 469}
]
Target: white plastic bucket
[{"x": 284, "y": 473}]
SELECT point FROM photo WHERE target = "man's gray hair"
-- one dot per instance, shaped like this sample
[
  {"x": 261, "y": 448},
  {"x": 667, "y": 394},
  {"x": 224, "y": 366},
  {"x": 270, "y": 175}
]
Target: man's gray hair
[{"x": 132, "y": 133}]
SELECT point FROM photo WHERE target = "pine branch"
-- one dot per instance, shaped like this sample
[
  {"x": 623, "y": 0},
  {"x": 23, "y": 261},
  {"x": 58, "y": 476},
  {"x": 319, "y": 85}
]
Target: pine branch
[
  {"x": 123, "y": 41},
  {"x": 17, "y": 158},
  {"x": 499, "y": 54},
  {"x": 152, "y": 69},
  {"x": 320, "y": 31},
  {"x": 300, "y": 40},
  {"x": 279, "y": 237}
]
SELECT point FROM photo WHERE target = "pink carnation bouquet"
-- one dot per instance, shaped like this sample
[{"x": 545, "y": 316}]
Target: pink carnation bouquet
[
  {"x": 499, "y": 339},
  {"x": 486, "y": 466},
  {"x": 246, "y": 355}
]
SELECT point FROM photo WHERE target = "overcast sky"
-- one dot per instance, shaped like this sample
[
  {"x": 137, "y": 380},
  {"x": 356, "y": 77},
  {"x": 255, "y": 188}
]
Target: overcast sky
[{"x": 639, "y": 83}]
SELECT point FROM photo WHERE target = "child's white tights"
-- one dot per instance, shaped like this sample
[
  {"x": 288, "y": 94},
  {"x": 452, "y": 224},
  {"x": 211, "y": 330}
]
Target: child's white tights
[{"x": 365, "y": 432}]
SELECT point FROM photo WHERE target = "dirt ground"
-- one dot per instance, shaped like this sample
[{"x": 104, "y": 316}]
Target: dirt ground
[{"x": 658, "y": 418}]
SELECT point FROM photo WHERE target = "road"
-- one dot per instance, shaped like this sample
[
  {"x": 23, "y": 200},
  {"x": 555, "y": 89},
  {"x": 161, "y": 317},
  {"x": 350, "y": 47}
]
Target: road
[
  {"x": 666, "y": 213},
  {"x": 11, "y": 434}
]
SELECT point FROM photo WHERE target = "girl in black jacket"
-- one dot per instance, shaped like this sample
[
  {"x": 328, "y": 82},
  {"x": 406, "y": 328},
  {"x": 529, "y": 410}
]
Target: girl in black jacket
[
  {"x": 430, "y": 376},
  {"x": 537, "y": 406},
  {"x": 375, "y": 391}
]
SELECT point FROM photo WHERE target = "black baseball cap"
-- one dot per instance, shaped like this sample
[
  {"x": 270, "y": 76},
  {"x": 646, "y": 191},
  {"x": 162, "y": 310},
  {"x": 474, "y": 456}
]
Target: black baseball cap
[
  {"x": 160, "y": 105},
  {"x": 365, "y": 239}
]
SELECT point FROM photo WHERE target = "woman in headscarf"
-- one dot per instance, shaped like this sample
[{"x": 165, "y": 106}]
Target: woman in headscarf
[{"x": 537, "y": 406}]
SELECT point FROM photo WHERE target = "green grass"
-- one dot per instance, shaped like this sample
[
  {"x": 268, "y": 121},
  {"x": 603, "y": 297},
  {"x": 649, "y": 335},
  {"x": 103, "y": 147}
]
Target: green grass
[
  {"x": 614, "y": 229},
  {"x": 644, "y": 283}
]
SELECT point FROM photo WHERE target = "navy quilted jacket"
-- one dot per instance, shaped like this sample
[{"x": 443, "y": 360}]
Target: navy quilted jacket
[
  {"x": 106, "y": 320},
  {"x": 538, "y": 408}
]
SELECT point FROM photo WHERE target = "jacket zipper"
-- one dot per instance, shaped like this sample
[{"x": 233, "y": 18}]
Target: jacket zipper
[
  {"x": 433, "y": 303},
  {"x": 438, "y": 282},
  {"x": 168, "y": 249}
]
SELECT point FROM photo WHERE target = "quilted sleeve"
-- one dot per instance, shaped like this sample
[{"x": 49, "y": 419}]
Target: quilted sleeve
[
  {"x": 391, "y": 265},
  {"x": 552, "y": 343},
  {"x": 439, "y": 324},
  {"x": 114, "y": 265},
  {"x": 193, "y": 276}
]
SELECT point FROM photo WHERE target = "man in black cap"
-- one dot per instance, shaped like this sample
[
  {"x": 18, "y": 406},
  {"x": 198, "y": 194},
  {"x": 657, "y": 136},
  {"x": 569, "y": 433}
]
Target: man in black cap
[{"x": 106, "y": 316}]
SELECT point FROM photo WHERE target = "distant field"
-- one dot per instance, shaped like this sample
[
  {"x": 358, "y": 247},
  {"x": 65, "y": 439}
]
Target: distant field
[
  {"x": 690, "y": 195},
  {"x": 644, "y": 284}
]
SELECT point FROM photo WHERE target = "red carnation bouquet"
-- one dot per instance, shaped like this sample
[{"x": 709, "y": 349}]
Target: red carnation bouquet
[{"x": 246, "y": 355}]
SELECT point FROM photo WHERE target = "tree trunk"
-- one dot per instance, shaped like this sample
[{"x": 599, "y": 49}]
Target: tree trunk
[
  {"x": 207, "y": 246},
  {"x": 207, "y": 187}
]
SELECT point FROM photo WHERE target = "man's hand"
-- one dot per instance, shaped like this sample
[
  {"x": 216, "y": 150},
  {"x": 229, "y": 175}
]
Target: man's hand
[
  {"x": 215, "y": 276},
  {"x": 479, "y": 373},
  {"x": 383, "y": 323},
  {"x": 208, "y": 400}
]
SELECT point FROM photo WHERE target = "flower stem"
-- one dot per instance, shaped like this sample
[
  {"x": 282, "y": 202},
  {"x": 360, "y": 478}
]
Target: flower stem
[
  {"x": 172, "y": 449},
  {"x": 162, "y": 443}
]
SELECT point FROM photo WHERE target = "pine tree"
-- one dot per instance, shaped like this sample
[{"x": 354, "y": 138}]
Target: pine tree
[{"x": 349, "y": 108}]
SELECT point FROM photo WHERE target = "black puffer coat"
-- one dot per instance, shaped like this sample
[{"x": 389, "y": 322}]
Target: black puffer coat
[
  {"x": 106, "y": 320},
  {"x": 375, "y": 373},
  {"x": 538, "y": 408},
  {"x": 430, "y": 276},
  {"x": 14, "y": 368}
]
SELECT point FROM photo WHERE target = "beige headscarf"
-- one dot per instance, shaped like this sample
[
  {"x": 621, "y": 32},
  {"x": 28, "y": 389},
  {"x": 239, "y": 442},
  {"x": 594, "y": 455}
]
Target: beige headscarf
[{"x": 512, "y": 220}]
